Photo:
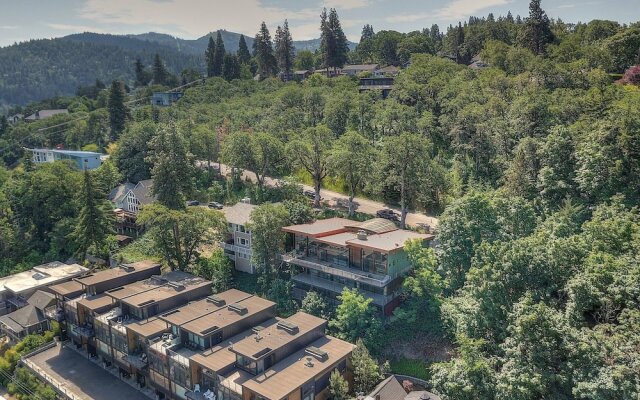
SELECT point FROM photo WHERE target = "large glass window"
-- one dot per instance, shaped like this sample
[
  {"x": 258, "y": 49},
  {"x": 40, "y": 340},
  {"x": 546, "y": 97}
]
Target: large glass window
[{"x": 247, "y": 364}]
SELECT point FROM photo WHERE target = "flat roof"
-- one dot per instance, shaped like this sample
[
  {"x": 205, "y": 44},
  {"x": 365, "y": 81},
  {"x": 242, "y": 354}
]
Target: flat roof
[
  {"x": 275, "y": 337},
  {"x": 96, "y": 302},
  {"x": 339, "y": 239},
  {"x": 115, "y": 273},
  {"x": 321, "y": 227},
  {"x": 41, "y": 275},
  {"x": 239, "y": 213},
  {"x": 197, "y": 309},
  {"x": 224, "y": 317},
  {"x": 220, "y": 357},
  {"x": 122, "y": 292},
  {"x": 296, "y": 370},
  {"x": 389, "y": 241},
  {"x": 149, "y": 327},
  {"x": 166, "y": 291},
  {"x": 66, "y": 288}
]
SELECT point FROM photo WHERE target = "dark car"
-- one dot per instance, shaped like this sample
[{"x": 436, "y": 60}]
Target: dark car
[
  {"x": 387, "y": 214},
  {"x": 193, "y": 203},
  {"x": 216, "y": 205}
]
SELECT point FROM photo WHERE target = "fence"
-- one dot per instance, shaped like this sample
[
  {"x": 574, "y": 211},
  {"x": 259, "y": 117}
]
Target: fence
[{"x": 52, "y": 381}]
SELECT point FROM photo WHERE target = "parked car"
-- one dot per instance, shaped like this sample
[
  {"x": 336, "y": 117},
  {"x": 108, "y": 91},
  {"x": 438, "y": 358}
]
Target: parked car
[
  {"x": 388, "y": 214},
  {"x": 216, "y": 205},
  {"x": 193, "y": 203}
]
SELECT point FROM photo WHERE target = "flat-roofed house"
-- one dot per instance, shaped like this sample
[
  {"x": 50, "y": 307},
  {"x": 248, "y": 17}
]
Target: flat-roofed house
[
  {"x": 336, "y": 253},
  {"x": 44, "y": 114},
  {"x": 17, "y": 288},
  {"x": 238, "y": 244},
  {"x": 82, "y": 159},
  {"x": 355, "y": 69}
]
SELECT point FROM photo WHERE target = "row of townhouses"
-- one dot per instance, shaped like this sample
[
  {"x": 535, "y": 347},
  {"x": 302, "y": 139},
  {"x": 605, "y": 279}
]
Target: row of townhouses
[{"x": 183, "y": 342}]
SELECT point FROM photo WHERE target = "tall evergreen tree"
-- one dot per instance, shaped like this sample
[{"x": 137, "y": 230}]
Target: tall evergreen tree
[
  {"x": 342, "y": 44},
  {"x": 95, "y": 219},
  {"x": 284, "y": 48},
  {"x": 230, "y": 67},
  {"x": 333, "y": 42},
  {"x": 365, "y": 47},
  {"x": 263, "y": 49},
  {"x": 209, "y": 57},
  {"x": 160, "y": 73},
  {"x": 218, "y": 56},
  {"x": 367, "y": 33},
  {"x": 173, "y": 167},
  {"x": 141, "y": 74},
  {"x": 118, "y": 112},
  {"x": 536, "y": 34},
  {"x": 243, "y": 51}
]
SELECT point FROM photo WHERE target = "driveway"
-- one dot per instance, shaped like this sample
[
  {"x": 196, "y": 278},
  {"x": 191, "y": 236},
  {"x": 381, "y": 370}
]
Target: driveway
[
  {"x": 73, "y": 372},
  {"x": 364, "y": 205}
]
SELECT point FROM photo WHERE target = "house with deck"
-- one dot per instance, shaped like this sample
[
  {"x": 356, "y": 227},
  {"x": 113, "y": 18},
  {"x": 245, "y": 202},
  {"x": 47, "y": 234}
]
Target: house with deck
[
  {"x": 237, "y": 245},
  {"x": 81, "y": 159},
  {"x": 337, "y": 253}
]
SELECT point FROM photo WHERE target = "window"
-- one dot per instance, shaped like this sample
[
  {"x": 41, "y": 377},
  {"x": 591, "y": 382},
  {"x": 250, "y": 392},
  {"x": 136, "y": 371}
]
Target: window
[
  {"x": 308, "y": 391},
  {"x": 243, "y": 241},
  {"x": 246, "y": 364}
]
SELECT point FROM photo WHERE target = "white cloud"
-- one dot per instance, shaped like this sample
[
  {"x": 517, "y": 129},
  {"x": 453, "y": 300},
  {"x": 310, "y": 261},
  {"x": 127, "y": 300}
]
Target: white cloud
[
  {"x": 74, "y": 28},
  {"x": 197, "y": 17},
  {"x": 8, "y": 27},
  {"x": 566, "y": 6},
  {"x": 407, "y": 17},
  {"x": 459, "y": 9},
  {"x": 346, "y": 4}
]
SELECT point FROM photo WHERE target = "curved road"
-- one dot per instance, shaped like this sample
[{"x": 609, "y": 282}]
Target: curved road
[{"x": 363, "y": 205}]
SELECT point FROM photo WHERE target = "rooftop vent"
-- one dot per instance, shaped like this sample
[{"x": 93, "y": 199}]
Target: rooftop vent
[
  {"x": 217, "y": 301},
  {"x": 157, "y": 280},
  {"x": 240, "y": 309},
  {"x": 39, "y": 275},
  {"x": 115, "y": 289},
  {"x": 127, "y": 268},
  {"x": 262, "y": 352},
  {"x": 257, "y": 328},
  {"x": 317, "y": 353},
  {"x": 362, "y": 234},
  {"x": 209, "y": 330},
  {"x": 177, "y": 286},
  {"x": 171, "y": 312},
  {"x": 144, "y": 303},
  {"x": 288, "y": 327}
]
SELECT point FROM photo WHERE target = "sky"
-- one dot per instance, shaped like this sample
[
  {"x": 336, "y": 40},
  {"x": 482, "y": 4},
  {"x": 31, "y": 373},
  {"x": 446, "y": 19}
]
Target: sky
[{"x": 22, "y": 20}]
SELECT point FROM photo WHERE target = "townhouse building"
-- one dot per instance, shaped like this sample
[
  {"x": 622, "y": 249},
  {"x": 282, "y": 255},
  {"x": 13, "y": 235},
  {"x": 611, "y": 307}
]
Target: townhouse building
[{"x": 338, "y": 253}]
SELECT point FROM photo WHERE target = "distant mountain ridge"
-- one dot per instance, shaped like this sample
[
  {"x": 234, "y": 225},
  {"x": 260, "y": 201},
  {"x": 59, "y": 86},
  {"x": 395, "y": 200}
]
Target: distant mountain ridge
[{"x": 40, "y": 69}]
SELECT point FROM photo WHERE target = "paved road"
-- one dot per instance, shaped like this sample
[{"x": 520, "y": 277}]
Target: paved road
[{"x": 363, "y": 205}]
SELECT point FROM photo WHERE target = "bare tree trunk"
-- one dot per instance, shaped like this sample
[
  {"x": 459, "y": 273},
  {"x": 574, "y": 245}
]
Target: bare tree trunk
[{"x": 316, "y": 200}]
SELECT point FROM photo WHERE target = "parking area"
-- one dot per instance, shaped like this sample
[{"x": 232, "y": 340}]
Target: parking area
[{"x": 79, "y": 377}]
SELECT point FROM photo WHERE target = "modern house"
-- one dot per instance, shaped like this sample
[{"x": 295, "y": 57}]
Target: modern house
[
  {"x": 381, "y": 83},
  {"x": 44, "y": 114},
  {"x": 82, "y": 159},
  {"x": 130, "y": 197},
  {"x": 388, "y": 71},
  {"x": 17, "y": 288},
  {"x": 338, "y": 253},
  {"x": 32, "y": 318},
  {"x": 165, "y": 99},
  {"x": 355, "y": 69},
  {"x": 238, "y": 243}
]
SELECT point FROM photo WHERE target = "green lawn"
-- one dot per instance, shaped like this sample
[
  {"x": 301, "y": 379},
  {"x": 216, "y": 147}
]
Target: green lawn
[{"x": 415, "y": 368}]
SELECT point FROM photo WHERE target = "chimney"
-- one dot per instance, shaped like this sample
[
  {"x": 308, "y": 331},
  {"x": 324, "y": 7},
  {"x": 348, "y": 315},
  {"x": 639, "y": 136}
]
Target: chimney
[{"x": 362, "y": 235}]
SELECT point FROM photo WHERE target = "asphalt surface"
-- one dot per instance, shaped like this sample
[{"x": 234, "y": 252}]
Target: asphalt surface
[{"x": 363, "y": 205}]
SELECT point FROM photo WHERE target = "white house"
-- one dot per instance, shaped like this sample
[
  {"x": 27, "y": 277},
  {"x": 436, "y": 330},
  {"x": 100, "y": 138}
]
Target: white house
[
  {"x": 131, "y": 197},
  {"x": 238, "y": 245}
]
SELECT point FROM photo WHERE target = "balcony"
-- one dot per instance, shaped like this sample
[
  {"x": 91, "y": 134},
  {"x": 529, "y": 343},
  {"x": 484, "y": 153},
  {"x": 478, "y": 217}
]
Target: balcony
[
  {"x": 55, "y": 314},
  {"x": 138, "y": 360},
  {"x": 334, "y": 287},
  {"x": 85, "y": 330},
  {"x": 344, "y": 272}
]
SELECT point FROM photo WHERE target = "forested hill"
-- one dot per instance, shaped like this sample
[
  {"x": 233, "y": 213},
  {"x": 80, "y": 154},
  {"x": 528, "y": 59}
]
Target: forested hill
[{"x": 40, "y": 69}]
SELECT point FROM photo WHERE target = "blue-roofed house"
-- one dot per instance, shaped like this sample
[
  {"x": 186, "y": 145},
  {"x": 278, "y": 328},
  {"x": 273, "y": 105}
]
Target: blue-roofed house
[
  {"x": 83, "y": 159},
  {"x": 165, "y": 98}
]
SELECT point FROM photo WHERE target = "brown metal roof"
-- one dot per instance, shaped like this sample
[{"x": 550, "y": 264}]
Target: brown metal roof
[
  {"x": 376, "y": 225},
  {"x": 225, "y": 316},
  {"x": 67, "y": 288},
  {"x": 275, "y": 337},
  {"x": 148, "y": 327},
  {"x": 122, "y": 292},
  {"x": 202, "y": 307},
  {"x": 220, "y": 357},
  {"x": 298, "y": 368},
  {"x": 321, "y": 227},
  {"x": 94, "y": 303},
  {"x": 114, "y": 273},
  {"x": 165, "y": 291}
]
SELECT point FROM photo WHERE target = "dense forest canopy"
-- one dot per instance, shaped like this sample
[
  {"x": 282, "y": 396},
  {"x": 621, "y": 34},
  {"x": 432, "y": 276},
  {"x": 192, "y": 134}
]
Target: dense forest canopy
[{"x": 532, "y": 165}]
